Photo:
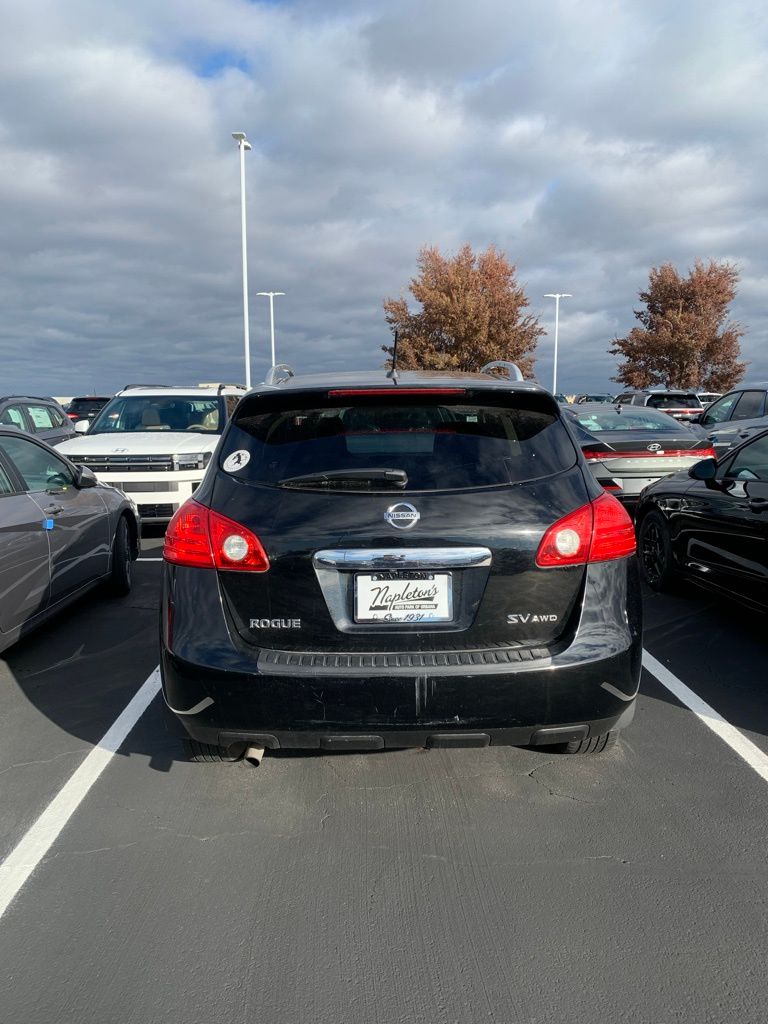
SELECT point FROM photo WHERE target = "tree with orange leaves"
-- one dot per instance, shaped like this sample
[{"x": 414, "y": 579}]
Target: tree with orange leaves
[
  {"x": 686, "y": 339},
  {"x": 472, "y": 312}
]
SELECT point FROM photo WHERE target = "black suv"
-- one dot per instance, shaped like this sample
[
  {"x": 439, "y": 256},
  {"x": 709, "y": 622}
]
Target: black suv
[
  {"x": 86, "y": 407},
  {"x": 43, "y": 417},
  {"x": 424, "y": 561}
]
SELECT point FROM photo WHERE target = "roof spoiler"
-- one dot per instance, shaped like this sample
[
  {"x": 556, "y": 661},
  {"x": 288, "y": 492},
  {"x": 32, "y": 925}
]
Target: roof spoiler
[
  {"x": 502, "y": 364},
  {"x": 279, "y": 374}
]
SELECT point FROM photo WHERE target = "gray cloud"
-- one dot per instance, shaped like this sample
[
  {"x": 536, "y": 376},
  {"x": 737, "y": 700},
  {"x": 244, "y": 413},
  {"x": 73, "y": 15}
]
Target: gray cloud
[{"x": 589, "y": 143}]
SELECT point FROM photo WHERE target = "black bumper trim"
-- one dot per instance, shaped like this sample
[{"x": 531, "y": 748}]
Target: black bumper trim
[
  {"x": 274, "y": 662},
  {"x": 310, "y": 739}
]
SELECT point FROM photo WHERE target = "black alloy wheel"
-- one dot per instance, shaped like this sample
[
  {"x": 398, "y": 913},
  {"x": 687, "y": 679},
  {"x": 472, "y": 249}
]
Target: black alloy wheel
[{"x": 655, "y": 550}]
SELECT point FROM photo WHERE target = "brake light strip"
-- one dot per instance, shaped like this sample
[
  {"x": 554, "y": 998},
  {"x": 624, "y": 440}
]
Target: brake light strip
[{"x": 676, "y": 453}]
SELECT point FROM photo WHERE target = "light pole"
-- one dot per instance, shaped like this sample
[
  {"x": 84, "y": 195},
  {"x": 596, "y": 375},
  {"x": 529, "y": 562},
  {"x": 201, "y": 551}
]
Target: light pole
[
  {"x": 272, "y": 318},
  {"x": 556, "y": 296},
  {"x": 242, "y": 145}
]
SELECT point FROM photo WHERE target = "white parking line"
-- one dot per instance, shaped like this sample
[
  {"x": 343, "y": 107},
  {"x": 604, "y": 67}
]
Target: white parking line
[
  {"x": 736, "y": 740},
  {"x": 24, "y": 858}
]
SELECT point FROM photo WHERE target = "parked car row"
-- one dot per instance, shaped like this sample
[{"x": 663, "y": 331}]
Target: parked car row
[
  {"x": 357, "y": 561},
  {"x": 683, "y": 405},
  {"x": 62, "y": 529}
]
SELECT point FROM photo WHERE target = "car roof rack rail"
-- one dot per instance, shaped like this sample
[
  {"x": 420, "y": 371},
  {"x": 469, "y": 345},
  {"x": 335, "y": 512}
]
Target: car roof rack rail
[
  {"x": 37, "y": 398},
  {"x": 132, "y": 387},
  {"x": 503, "y": 364},
  {"x": 220, "y": 387},
  {"x": 279, "y": 374}
]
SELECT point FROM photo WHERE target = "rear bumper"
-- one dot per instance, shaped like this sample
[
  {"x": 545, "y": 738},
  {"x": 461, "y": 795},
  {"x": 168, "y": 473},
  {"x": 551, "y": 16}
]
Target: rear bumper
[
  {"x": 396, "y": 739},
  {"x": 228, "y": 696}
]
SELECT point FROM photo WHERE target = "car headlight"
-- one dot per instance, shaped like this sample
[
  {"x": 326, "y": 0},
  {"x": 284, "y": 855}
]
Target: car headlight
[{"x": 196, "y": 460}]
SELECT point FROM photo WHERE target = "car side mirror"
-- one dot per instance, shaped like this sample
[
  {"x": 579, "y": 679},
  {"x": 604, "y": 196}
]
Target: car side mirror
[
  {"x": 704, "y": 470},
  {"x": 85, "y": 477},
  {"x": 82, "y": 426}
]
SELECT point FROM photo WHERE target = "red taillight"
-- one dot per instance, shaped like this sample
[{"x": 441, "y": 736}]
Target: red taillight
[
  {"x": 187, "y": 541},
  {"x": 235, "y": 546},
  {"x": 394, "y": 392},
  {"x": 675, "y": 453},
  {"x": 200, "y": 537},
  {"x": 597, "y": 532},
  {"x": 702, "y": 453},
  {"x": 567, "y": 541},
  {"x": 613, "y": 533}
]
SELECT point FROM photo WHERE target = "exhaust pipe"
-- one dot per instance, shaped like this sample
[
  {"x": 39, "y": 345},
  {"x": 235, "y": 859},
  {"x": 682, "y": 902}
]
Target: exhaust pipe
[{"x": 254, "y": 755}]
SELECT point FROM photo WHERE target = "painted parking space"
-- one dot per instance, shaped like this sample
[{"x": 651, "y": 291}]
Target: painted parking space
[{"x": 62, "y": 687}]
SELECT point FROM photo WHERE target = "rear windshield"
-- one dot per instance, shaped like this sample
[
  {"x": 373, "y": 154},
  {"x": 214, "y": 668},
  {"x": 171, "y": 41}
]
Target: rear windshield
[
  {"x": 678, "y": 401},
  {"x": 626, "y": 417},
  {"x": 430, "y": 443},
  {"x": 86, "y": 404}
]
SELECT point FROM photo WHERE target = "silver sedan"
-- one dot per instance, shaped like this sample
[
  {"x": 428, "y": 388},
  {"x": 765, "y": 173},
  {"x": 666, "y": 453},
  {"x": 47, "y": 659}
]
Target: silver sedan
[{"x": 61, "y": 533}]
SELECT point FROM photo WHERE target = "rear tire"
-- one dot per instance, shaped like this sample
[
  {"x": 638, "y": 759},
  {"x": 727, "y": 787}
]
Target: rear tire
[
  {"x": 119, "y": 583},
  {"x": 599, "y": 744},
  {"x": 209, "y": 753},
  {"x": 654, "y": 546}
]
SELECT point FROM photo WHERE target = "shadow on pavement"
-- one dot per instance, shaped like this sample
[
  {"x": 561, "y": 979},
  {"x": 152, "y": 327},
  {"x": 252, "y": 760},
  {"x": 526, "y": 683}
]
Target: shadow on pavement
[
  {"x": 716, "y": 647},
  {"x": 82, "y": 669}
]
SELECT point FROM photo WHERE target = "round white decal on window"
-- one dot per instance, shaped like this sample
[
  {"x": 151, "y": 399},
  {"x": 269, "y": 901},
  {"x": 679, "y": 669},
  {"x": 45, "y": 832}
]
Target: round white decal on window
[{"x": 237, "y": 460}]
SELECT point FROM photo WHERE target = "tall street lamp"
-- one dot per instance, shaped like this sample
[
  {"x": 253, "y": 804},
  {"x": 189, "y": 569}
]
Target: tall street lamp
[
  {"x": 556, "y": 296},
  {"x": 242, "y": 145},
  {"x": 272, "y": 318}
]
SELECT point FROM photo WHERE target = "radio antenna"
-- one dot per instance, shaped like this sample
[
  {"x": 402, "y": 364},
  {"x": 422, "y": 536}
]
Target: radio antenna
[{"x": 393, "y": 372}]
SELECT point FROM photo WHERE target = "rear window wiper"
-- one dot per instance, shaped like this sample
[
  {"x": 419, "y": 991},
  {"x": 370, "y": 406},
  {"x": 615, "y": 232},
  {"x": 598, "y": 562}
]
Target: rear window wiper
[{"x": 352, "y": 479}]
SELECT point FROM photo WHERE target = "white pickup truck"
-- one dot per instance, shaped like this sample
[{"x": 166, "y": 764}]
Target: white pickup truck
[{"x": 155, "y": 442}]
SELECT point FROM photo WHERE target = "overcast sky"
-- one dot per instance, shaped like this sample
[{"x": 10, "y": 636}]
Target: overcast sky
[{"x": 589, "y": 141}]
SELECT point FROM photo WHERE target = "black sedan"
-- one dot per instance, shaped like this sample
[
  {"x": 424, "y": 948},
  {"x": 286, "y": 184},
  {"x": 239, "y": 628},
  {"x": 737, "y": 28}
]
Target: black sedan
[
  {"x": 628, "y": 447},
  {"x": 710, "y": 525},
  {"x": 61, "y": 533}
]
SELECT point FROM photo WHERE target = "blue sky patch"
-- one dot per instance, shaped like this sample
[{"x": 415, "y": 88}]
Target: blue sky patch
[{"x": 211, "y": 63}]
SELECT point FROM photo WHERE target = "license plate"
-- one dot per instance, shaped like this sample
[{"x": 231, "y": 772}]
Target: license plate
[{"x": 411, "y": 597}]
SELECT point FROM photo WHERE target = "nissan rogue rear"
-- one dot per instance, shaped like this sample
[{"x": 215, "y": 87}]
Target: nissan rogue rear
[{"x": 419, "y": 561}]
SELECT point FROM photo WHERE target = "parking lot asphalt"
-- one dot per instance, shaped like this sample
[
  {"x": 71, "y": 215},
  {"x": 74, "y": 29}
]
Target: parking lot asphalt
[{"x": 500, "y": 885}]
